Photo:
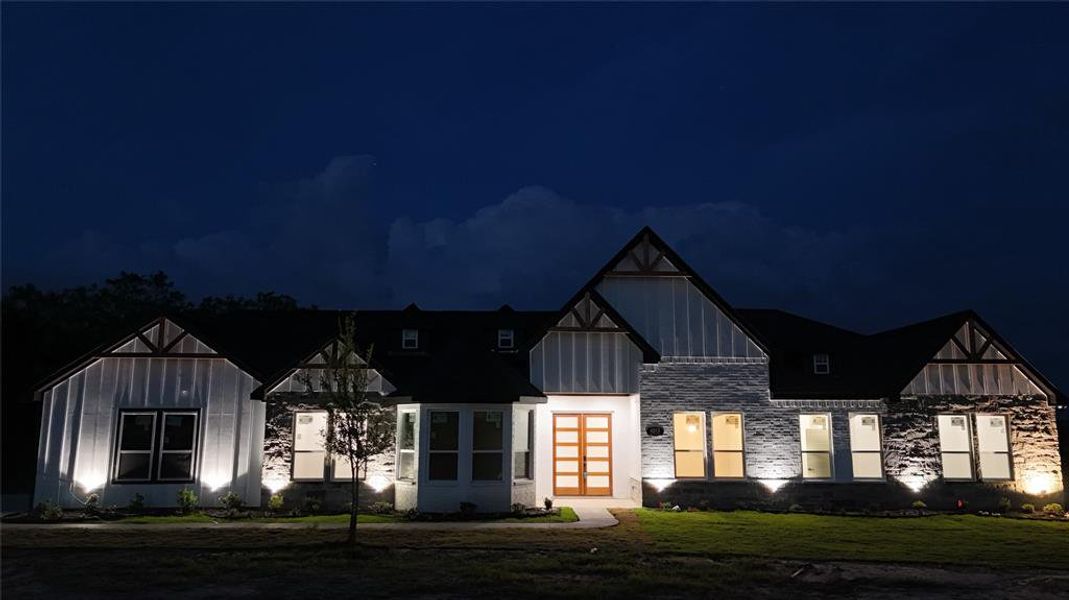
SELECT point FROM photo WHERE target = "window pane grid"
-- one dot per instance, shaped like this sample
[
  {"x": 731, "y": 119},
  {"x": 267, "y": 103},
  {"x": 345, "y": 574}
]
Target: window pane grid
[
  {"x": 866, "y": 452},
  {"x": 523, "y": 436},
  {"x": 955, "y": 445},
  {"x": 406, "y": 446},
  {"x": 689, "y": 440},
  {"x": 992, "y": 436},
  {"x": 729, "y": 461},
  {"x": 442, "y": 452},
  {"x": 487, "y": 461},
  {"x": 816, "y": 446}
]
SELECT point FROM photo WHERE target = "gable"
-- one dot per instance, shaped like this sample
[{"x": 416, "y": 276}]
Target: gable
[
  {"x": 311, "y": 370},
  {"x": 974, "y": 363},
  {"x": 670, "y": 306},
  {"x": 162, "y": 338}
]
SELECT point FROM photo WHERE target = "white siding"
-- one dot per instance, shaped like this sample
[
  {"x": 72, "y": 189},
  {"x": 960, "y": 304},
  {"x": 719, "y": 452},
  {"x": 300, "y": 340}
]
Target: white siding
[
  {"x": 676, "y": 318},
  {"x": 585, "y": 362},
  {"x": 79, "y": 423},
  {"x": 299, "y": 380},
  {"x": 981, "y": 379}
]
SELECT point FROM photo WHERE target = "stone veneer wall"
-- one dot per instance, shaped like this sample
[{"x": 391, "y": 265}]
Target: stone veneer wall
[
  {"x": 772, "y": 445},
  {"x": 278, "y": 456}
]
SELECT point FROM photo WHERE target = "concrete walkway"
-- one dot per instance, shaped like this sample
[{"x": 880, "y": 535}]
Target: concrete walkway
[{"x": 590, "y": 517}]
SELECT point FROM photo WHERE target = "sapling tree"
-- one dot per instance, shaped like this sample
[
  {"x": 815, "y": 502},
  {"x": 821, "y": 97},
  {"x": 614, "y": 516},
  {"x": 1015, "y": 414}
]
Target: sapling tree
[{"x": 359, "y": 427}]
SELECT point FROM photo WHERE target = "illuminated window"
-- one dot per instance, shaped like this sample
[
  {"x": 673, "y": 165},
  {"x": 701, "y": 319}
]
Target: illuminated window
[
  {"x": 992, "y": 437},
  {"x": 406, "y": 446},
  {"x": 522, "y": 439},
  {"x": 487, "y": 445},
  {"x": 821, "y": 364},
  {"x": 728, "y": 458},
  {"x": 506, "y": 339},
  {"x": 955, "y": 445},
  {"x": 816, "y": 446},
  {"x": 309, "y": 445},
  {"x": 409, "y": 339},
  {"x": 156, "y": 446},
  {"x": 865, "y": 451},
  {"x": 444, "y": 443},
  {"x": 689, "y": 430}
]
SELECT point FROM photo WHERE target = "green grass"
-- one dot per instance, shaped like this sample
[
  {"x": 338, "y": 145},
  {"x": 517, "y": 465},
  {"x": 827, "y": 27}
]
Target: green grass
[
  {"x": 952, "y": 539},
  {"x": 567, "y": 515}
]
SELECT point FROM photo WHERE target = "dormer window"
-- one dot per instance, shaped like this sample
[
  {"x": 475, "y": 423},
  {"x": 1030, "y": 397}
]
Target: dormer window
[
  {"x": 821, "y": 364},
  {"x": 409, "y": 339},
  {"x": 506, "y": 339}
]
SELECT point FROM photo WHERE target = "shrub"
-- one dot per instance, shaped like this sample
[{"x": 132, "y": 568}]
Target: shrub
[
  {"x": 47, "y": 511},
  {"x": 961, "y": 505},
  {"x": 518, "y": 509},
  {"x": 548, "y": 503},
  {"x": 187, "y": 501},
  {"x": 666, "y": 506},
  {"x": 381, "y": 508},
  {"x": 1028, "y": 507},
  {"x": 231, "y": 501},
  {"x": 1004, "y": 505},
  {"x": 137, "y": 503},
  {"x": 92, "y": 505},
  {"x": 275, "y": 502},
  {"x": 919, "y": 505},
  {"x": 312, "y": 505},
  {"x": 795, "y": 508},
  {"x": 1054, "y": 509},
  {"x": 467, "y": 508}
]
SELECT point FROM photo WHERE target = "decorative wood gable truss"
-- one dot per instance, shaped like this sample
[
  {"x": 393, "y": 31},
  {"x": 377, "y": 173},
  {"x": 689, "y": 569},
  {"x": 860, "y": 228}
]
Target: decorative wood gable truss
[
  {"x": 974, "y": 363},
  {"x": 163, "y": 338},
  {"x": 591, "y": 349},
  {"x": 309, "y": 373},
  {"x": 673, "y": 308}
]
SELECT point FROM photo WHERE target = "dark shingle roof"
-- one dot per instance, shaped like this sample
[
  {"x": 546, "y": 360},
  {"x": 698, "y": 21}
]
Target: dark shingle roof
[{"x": 457, "y": 361}]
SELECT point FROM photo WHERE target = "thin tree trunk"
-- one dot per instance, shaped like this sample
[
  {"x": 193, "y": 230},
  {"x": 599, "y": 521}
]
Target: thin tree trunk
[{"x": 356, "y": 502}]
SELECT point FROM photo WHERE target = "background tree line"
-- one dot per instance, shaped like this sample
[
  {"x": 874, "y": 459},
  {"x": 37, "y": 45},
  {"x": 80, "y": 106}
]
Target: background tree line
[{"x": 41, "y": 331}]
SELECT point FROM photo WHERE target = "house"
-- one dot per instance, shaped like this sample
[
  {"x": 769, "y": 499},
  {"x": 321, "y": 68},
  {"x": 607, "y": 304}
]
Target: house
[{"x": 646, "y": 387}]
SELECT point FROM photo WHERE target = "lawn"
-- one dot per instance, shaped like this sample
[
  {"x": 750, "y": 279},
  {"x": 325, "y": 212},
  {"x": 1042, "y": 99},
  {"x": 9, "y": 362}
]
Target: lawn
[
  {"x": 955, "y": 539},
  {"x": 567, "y": 515},
  {"x": 649, "y": 554}
]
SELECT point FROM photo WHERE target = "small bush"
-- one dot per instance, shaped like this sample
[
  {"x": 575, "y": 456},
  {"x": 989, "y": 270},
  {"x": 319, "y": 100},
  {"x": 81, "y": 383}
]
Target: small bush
[
  {"x": 548, "y": 503},
  {"x": 312, "y": 505},
  {"x": 919, "y": 505},
  {"x": 1004, "y": 505},
  {"x": 518, "y": 509},
  {"x": 381, "y": 508},
  {"x": 1028, "y": 507},
  {"x": 795, "y": 508},
  {"x": 47, "y": 511},
  {"x": 187, "y": 501},
  {"x": 1054, "y": 509},
  {"x": 231, "y": 501},
  {"x": 467, "y": 508},
  {"x": 92, "y": 505},
  {"x": 666, "y": 506},
  {"x": 275, "y": 502},
  {"x": 411, "y": 515},
  {"x": 137, "y": 503}
]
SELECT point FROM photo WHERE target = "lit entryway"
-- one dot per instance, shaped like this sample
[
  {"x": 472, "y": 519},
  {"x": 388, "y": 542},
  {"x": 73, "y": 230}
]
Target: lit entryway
[{"x": 582, "y": 454}]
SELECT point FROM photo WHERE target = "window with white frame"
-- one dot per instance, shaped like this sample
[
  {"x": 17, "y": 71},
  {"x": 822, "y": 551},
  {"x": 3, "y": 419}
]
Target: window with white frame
[
  {"x": 993, "y": 440},
  {"x": 689, "y": 437},
  {"x": 816, "y": 446},
  {"x": 487, "y": 445},
  {"x": 728, "y": 458},
  {"x": 156, "y": 446},
  {"x": 866, "y": 454},
  {"x": 955, "y": 447},
  {"x": 506, "y": 339},
  {"x": 309, "y": 445},
  {"x": 821, "y": 364},
  {"x": 443, "y": 449},
  {"x": 410, "y": 339},
  {"x": 522, "y": 440},
  {"x": 406, "y": 446}
]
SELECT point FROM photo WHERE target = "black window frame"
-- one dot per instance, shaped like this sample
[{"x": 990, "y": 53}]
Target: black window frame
[
  {"x": 822, "y": 363},
  {"x": 156, "y": 451},
  {"x": 405, "y": 339},
  {"x": 506, "y": 334}
]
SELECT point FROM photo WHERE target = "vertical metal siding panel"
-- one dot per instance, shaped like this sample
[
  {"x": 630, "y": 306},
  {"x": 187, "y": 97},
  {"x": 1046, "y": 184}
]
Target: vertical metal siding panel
[
  {"x": 256, "y": 455},
  {"x": 553, "y": 362},
  {"x": 662, "y": 311},
  {"x": 138, "y": 379},
  {"x": 535, "y": 372}
]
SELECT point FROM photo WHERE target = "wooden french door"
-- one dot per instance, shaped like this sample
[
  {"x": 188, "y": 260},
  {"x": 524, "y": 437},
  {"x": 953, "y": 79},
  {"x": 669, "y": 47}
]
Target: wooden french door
[{"x": 582, "y": 454}]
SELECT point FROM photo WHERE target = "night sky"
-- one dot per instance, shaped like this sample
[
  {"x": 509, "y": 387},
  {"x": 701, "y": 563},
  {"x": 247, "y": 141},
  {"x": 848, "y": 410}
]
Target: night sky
[{"x": 866, "y": 165}]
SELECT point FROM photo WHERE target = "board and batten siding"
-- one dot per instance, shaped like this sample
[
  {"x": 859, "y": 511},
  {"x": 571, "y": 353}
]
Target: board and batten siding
[
  {"x": 676, "y": 318},
  {"x": 586, "y": 362},
  {"x": 79, "y": 426}
]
